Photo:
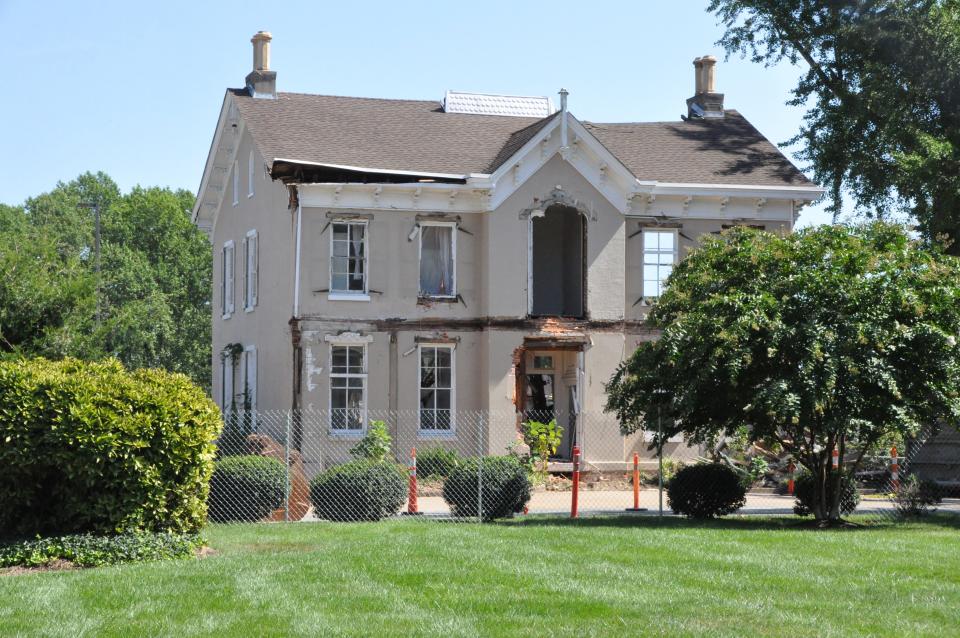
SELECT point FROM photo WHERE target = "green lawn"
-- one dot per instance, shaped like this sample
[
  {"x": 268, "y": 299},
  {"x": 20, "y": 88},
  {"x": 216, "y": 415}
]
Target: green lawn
[{"x": 537, "y": 577}]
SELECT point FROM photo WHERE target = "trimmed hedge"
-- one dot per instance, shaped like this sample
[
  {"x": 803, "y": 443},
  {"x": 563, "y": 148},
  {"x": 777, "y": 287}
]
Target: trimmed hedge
[
  {"x": 506, "y": 487},
  {"x": 803, "y": 491},
  {"x": 706, "y": 490},
  {"x": 360, "y": 490},
  {"x": 91, "y": 447},
  {"x": 86, "y": 550},
  {"x": 246, "y": 488}
]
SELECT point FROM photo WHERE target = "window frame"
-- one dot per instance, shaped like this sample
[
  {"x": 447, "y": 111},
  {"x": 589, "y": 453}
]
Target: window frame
[
  {"x": 227, "y": 397},
  {"x": 347, "y": 295},
  {"x": 364, "y": 376},
  {"x": 453, "y": 259},
  {"x": 643, "y": 258},
  {"x": 236, "y": 182},
  {"x": 436, "y": 433},
  {"x": 251, "y": 271},
  {"x": 227, "y": 287}
]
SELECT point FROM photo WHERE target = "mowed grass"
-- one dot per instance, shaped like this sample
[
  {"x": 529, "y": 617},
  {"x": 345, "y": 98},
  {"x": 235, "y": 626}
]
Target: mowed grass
[{"x": 532, "y": 577}]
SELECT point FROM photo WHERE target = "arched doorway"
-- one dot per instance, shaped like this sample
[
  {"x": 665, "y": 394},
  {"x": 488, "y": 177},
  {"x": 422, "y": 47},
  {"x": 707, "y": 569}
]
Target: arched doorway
[{"x": 557, "y": 249}]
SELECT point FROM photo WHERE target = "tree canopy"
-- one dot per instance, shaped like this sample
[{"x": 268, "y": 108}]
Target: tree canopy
[
  {"x": 153, "y": 290},
  {"x": 826, "y": 339},
  {"x": 882, "y": 87}
]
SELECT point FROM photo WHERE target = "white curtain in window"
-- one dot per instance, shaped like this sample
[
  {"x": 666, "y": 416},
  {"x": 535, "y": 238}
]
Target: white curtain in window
[{"x": 436, "y": 260}]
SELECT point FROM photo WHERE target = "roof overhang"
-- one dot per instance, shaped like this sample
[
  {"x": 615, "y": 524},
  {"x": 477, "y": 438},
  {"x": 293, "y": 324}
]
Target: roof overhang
[{"x": 294, "y": 171}]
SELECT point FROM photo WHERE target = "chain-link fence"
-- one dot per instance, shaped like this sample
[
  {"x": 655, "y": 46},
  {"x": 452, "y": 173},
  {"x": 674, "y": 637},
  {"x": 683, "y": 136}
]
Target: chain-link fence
[{"x": 367, "y": 465}]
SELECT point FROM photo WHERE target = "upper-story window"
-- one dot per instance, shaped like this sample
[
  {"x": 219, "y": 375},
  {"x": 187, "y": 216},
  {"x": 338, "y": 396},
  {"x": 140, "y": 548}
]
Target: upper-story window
[
  {"x": 226, "y": 279},
  {"x": 348, "y": 260},
  {"x": 251, "y": 271},
  {"x": 438, "y": 259},
  {"x": 250, "y": 172},
  {"x": 659, "y": 256},
  {"x": 236, "y": 182}
]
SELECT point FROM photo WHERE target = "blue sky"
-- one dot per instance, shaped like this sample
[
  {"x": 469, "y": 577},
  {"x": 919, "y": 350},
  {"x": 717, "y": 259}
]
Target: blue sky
[{"x": 134, "y": 89}]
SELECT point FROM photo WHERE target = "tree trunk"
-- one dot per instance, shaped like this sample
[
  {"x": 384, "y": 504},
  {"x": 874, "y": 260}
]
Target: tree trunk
[
  {"x": 835, "y": 479},
  {"x": 820, "y": 491}
]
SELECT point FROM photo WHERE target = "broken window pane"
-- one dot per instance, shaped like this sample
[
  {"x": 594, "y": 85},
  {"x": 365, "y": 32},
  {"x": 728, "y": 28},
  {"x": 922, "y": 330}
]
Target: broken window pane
[{"x": 348, "y": 258}]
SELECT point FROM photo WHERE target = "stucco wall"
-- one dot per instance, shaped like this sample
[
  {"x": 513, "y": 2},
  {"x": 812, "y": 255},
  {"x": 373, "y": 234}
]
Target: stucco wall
[{"x": 266, "y": 326}]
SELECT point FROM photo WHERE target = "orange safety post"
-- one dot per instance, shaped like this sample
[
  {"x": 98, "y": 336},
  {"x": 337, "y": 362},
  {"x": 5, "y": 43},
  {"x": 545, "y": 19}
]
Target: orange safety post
[
  {"x": 412, "y": 497},
  {"x": 894, "y": 469},
  {"x": 636, "y": 485},
  {"x": 790, "y": 484},
  {"x": 576, "y": 481}
]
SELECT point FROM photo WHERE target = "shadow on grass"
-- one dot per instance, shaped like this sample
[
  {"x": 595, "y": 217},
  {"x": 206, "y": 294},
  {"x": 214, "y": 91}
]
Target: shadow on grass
[{"x": 864, "y": 523}]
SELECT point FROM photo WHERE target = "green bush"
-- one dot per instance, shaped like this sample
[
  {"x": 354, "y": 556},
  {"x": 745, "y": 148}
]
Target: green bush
[
  {"x": 706, "y": 490},
  {"x": 375, "y": 445},
  {"x": 437, "y": 462},
  {"x": 360, "y": 490},
  {"x": 506, "y": 487},
  {"x": 86, "y": 550},
  {"x": 803, "y": 491},
  {"x": 915, "y": 496},
  {"x": 246, "y": 488},
  {"x": 91, "y": 447}
]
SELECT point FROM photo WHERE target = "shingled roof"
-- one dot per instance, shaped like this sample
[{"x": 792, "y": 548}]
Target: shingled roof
[{"x": 418, "y": 136}]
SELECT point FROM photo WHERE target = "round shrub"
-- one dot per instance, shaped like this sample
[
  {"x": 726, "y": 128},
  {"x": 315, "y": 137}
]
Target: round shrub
[
  {"x": 246, "y": 488},
  {"x": 803, "y": 491},
  {"x": 91, "y": 447},
  {"x": 437, "y": 462},
  {"x": 360, "y": 490},
  {"x": 706, "y": 490},
  {"x": 506, "y": 487}
]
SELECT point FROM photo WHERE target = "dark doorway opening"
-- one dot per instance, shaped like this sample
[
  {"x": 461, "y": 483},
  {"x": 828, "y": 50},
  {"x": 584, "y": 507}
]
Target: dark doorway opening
[{"x": 557, "y": 263}]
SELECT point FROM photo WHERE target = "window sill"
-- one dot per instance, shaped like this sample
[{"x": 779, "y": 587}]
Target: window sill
[
  {"x": 437, "y": 299},
  {"x": 436, "y": 434},
  {"x": 347, "y": 296},
  {"x": 250, "y": 309},
  {"x": 226, "y": 316},
  {"x": 346, "y": 434}
]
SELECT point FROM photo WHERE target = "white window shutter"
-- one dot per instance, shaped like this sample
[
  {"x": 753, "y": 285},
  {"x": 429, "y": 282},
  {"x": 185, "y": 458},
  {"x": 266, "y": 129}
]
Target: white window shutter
[
  {"x": 252, "y": 364},
  {"x": 255, "y": 269},
  {"x": 229, "y": 279},
  {"x": 246, "y": 272}
]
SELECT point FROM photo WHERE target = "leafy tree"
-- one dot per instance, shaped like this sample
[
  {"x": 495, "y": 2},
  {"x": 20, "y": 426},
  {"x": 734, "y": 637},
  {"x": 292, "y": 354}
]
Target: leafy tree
[
  {"x": 828, "y": 339},
  {"x": 150, "y": 304},
  {"x": 882, "y": 88}
]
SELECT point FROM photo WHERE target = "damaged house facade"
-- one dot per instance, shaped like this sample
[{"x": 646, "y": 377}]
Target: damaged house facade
[{"x": 480, "y": 255}]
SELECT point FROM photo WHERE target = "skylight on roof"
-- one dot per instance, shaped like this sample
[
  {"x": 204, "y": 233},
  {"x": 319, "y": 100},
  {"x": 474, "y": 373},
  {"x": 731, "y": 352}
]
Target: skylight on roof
[{"x": 488, "y": 104}]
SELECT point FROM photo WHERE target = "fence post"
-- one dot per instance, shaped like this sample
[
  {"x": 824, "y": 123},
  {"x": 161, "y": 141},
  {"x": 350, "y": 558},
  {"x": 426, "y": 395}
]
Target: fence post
[
  {"x": 576, "y": 482},
  {"x": 286, "y": 464},
  {"x": 894, "y": 469},
  {"x": 790, "y": 484}
]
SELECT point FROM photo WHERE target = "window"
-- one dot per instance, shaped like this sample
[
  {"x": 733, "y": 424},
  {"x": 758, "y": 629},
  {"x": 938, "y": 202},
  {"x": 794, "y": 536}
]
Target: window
[
  {"x": 348, "y": 260},
  {"x": 436, "y": 389},
  {"x": 348, "y": 388},
  {"x": 249, "y": 377},
  {"x": 438, "y": 259},
  {"x": 250, "y": 173},
  {"x": 659, "y": 255},
  {"x": 236, "y": 182},
  {"x": 251, "y": 270},
  {"x": 226, "y": 384},
  {"x": 226, "y": 280}
]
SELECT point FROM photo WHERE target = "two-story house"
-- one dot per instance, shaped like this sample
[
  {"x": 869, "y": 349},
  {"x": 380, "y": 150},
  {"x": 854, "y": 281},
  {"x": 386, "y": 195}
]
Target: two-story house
[{"x": 450, "y": 262}]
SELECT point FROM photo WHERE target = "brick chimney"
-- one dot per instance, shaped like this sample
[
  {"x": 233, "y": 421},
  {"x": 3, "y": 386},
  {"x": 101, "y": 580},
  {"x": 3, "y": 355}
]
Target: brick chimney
[
  {"x": 262, "y": 82},
  {"x": 706, "y": 102}
]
